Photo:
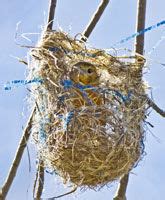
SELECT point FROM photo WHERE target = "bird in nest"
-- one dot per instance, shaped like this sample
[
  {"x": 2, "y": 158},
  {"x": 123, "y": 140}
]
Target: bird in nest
[{"x": 85, "y": 74}]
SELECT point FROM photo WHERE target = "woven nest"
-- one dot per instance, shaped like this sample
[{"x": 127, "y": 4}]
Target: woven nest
[{"x": 90, "y": 110}]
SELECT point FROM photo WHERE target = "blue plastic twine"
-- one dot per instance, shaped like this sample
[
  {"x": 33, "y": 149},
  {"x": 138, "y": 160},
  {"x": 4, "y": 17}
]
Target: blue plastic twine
[
  {"x": 125, "y": 98},
  {"x": 9, "y": 85},
  {"x": 141, "y": 32},
  {"x": 67, "y": 84}
]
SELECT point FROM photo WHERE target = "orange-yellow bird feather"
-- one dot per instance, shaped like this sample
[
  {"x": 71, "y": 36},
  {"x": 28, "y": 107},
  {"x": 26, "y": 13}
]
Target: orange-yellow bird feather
[{"x": 86, "y": 74}]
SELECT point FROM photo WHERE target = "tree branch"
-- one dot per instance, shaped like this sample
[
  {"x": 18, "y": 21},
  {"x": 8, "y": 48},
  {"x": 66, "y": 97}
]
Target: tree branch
[
  {"x": 39, "y": 179},
  {"x": 95, "y": 18},
  {"x": 62, "y": 195},
  {"x": 155, "y": 107},
  {"x": 140, "y": 25},
  {"x": 51, "y": 13},
  {"x": 21, "y": 147},
  {"x": 122, "y": 188}
]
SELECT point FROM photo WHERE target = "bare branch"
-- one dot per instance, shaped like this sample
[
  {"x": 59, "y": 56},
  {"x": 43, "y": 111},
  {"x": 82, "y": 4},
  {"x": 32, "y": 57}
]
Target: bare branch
[
  {"x": 62, "y": 195},
  {"x": 122, "y": 188},
  {"x": 140, "y": 25},
  {"x": 95, "y": 18},
  {"x": 155, "y": 107},
  {"x": 40, "y": 179},
  {"x": 18, "y": 156},
  {"x": 51, "y": 13}
]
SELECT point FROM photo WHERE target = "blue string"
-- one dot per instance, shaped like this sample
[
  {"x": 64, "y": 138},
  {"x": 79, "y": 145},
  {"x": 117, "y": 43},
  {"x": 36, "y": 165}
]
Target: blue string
[
  {"x": 51, "y": 172},
  {"x": 69, "y": 84},
  {"x": 9, "y": 85},
  {"x": 125, "y": 98},
  {"x": 66, "y": 118},
  {"x": 42, "y": 133},
  {"x": 141, "y": 32},
  {"x": 56, "y": 49}
]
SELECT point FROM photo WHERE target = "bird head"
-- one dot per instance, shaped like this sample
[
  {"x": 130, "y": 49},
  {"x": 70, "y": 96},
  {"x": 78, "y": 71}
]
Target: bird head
[{"x": 85, "y": 73}]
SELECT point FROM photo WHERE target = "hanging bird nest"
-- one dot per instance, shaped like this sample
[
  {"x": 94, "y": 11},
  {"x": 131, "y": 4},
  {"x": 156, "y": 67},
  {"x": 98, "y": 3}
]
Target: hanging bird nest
[{"x": 88, "y": 126}]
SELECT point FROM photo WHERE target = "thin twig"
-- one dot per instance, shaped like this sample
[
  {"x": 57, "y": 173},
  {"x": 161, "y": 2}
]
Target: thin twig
[
  {"x": 155, "y": 107},
  {"x": 122, "y": 188},
  {"x": 51, "y": 13},
  {"x": 21, "y": 147},
  {"x": 62, "y": 195},
  {"x": 39, "y": 179},
  {"x": 95, "y": 18}
]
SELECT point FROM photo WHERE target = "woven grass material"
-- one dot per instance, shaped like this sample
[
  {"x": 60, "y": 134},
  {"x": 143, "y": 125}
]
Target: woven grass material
[{"x": 89, "y": 123}]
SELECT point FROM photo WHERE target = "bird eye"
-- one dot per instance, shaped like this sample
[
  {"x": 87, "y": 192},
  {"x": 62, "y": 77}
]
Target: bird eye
[{"x": 89, "y": 70}]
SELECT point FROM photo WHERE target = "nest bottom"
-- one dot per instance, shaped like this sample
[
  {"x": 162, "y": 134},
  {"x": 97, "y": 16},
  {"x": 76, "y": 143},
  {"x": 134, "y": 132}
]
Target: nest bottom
[{"x": 89, "y": 157}]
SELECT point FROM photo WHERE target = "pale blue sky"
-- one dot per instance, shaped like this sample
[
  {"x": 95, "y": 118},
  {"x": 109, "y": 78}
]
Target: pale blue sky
[{"x": 118, "y": 21}]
